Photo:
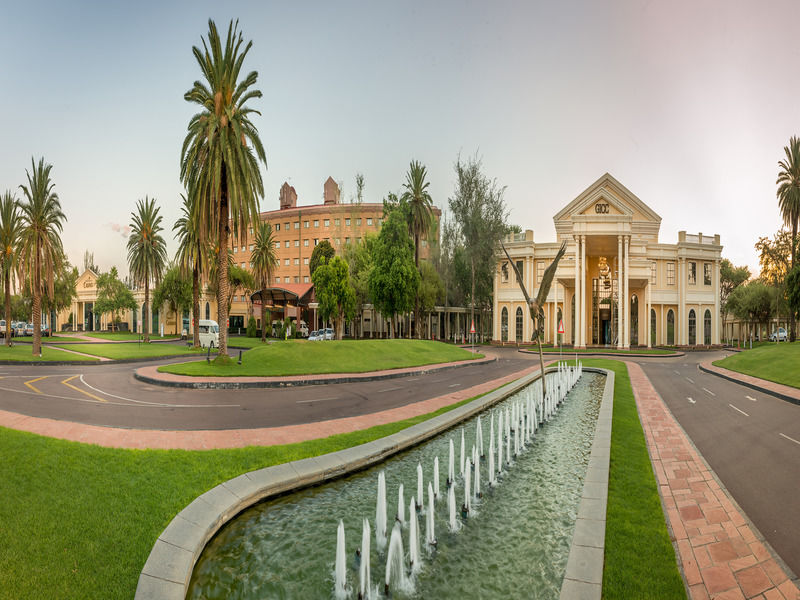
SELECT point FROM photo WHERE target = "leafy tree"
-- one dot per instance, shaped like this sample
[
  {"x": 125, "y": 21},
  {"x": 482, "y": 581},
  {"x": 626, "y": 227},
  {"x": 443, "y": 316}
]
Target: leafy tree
[
  {"x": 192, "y": 255},
  {"x": 359, "y": 188},
  {"x": 10, "y": 232},
  {"x": 775, "y": 258},
  {"x": 730, "y": 277},
  {"x": 222, "y": 149},
  {"x": 252, "y": 331},
  {"x": 793, "y": 289},
  {"x": 40, "y": 240},
  {"x": 321, "y": 251},
  {"x": 240, "y": 280},
  {"x": 751, "y": 303},
  {"x": 479, "y": 221},
  {"x": 359, "y": 259},
  {"x": 88, "y": 262},
  {"x": 431, "y": 289},
  {"x": 265, "y": 260},
  {"x": 334, "y": 292},
  {"x": 789, "y": 202},
  {"x": 113, "y": 296},
  {"x": 394, "y": 279},
  {"x": 174, "y": 290},
  {"x": 147, "y": 252}
]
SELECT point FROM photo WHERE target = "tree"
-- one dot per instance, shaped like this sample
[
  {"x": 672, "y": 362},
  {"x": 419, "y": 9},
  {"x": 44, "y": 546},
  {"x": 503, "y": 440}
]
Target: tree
[
  {"x": 751, "y": 303},
  {"x": 147, "y": 252},
  {"x": 10, "y": 232},
  {"x": 334, "y": 292},
  {"x": 359, "y": 188},
  {"x": 221, "y": 151},
  {"x": 789, "y": 202},
  {"x": 113, "y": 296},
  {"x": 793, "y": 289},
  {"x": 192, "y": 254},
  {"x": 431, "y": 289},
  {"x": 730, "y": 278},
  {"x": 479, "y": 221},
  {"x": 775, "y": 257},
  {"x": 64, "y": 288},
  {"x": 394, "y": 279},
  {"x": 321, "y": 251},
  {"x": 264, "y": 260},
  {"x": 88, "y": 262},
  {"x": 359, "y": 259},
  {"x": 174, "y": 290},
  {"x": 40, "y": 240}
]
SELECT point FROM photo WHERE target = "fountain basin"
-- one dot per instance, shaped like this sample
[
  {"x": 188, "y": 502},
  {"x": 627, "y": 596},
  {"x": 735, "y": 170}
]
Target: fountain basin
[{"x": 169, "y": 567}]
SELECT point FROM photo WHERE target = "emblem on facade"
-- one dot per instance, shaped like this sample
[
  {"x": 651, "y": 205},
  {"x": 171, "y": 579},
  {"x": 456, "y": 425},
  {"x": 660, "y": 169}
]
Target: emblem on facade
[
  {"x": 605, "y": 271},
  {"x": 601, "y": 208}
]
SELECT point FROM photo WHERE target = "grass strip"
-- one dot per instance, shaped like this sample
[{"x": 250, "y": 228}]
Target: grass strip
[
  {"x": 132, "y": 351},
  {"x": 770, "y": 361},
  {"x": 78, "y": 521},
  {"x": 125, "y": 336},
  {"x": 300, "y": 357},
  {"x": 639, "y": 558},
  {"x": 24, "y": 353}
]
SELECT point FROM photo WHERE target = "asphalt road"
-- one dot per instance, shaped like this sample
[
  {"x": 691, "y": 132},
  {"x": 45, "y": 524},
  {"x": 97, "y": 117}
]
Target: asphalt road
[{"x": 750, "y": 439}]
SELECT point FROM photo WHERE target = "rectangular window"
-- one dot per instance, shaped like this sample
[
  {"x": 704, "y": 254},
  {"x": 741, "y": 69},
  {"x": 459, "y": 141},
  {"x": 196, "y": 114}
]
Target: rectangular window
[
  {"x": 347, "y": 222},
  {"x": 504, "y": 272},
  {"x": 369, "y": 221},
  {"x": 305, "y": 260},
  {"x": 706, "y": 273},
  {"x": 692, "y": 273},
  {"x": 296, "y": 261},
  {"x": 316, "y": 222},
  {"x": 297, "y": 224},
  {"x": 286, "y": 226},
  {"x": 277, "y": 245},
  {"x": 338, "y": 241},
  {"x": 305, "y": 243},
  {"x": 327, "y": 222},
  {"x": 653, "y": 273},
  {"x": 316, "y": 241},
  {"x": 251, "y": 247},
  {"x": 358, "y": 222},
  {"x": 286, "y": 244},
  {"x": 305, "y": 279},
  {"x": 277, "y": 280},
  {"x": 539, "y": 272},
  {"x": 305, "y": 224},
  {"x": 286, "y": 262},
  {"x": 519, "y": 268},
  {"x": 380, "y": 222},
  {"x": 244, "y": 248},
  {"x": 297, "y": 243},
  {"x": 670, "y": 273},
  {"x": 287, "y": 279},
  {"x": 347, "y": 240},
  {"x": 277, "y": 228},
  {"x": 235, "y": 249},
  {"x": 297, "y": 278},
  {"x": 336, "y": 222},
  {"x": 251, "y": 231}
]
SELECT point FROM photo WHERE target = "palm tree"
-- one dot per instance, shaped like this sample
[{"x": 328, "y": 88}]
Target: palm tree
[
  {"x": 147, "y": 252},
  {"x": 192, "y": 255},
  {"x": 40, "y": 240},
  {"x": 789, "y": 201},
  {"x": 264, "y": 261},
  {"x": 420, "y": 215},
  {"x": 10, "y": 229},
  {"x": 221, "y": 150}
]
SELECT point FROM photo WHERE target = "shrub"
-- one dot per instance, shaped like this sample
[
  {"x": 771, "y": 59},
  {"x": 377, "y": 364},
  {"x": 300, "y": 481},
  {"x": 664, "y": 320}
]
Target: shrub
[{"x": 251, "y": 328}]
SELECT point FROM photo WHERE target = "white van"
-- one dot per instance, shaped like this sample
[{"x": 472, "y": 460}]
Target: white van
[{"x": 209, "y": 333}]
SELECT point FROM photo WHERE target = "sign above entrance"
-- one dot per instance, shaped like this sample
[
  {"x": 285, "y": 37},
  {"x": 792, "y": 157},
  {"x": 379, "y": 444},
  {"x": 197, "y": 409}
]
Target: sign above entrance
[{"x": 601, "y": 208}]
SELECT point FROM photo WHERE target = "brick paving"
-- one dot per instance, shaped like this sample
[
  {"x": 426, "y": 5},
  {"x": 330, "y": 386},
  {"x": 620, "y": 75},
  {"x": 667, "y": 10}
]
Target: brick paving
[{"x": 719, "y": 551}]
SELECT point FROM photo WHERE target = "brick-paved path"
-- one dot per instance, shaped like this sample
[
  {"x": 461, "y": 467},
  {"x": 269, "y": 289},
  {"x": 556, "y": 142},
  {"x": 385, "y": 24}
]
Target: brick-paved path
[{"x": 719, "y": 552}]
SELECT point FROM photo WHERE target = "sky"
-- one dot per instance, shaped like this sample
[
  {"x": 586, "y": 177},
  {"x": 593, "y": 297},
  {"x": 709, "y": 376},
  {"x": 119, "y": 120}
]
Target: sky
[{"x": 689, "y": 104}]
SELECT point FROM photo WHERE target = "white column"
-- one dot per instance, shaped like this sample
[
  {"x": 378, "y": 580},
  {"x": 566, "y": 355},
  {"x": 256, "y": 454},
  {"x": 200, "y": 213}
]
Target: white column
[
  {"x": 554, "y": 308},
  {"x": 647, "y": 309},
  {"x": 577, "y": 274},
  {"x": 497, "y": 309},
  {"x": 627, "y": 302},
  {"x": 583, "y": 291},
  {"x": 620, "y": 327},
  {"x": 715, "y": 316},
  {"x": 680, "y": 319}
]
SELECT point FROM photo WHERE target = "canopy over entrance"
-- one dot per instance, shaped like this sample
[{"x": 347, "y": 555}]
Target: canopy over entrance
[{"x": 291, "y": 294}]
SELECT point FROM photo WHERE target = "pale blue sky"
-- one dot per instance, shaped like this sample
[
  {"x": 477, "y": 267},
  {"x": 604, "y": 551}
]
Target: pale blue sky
[{"x": 688, "y": 104}]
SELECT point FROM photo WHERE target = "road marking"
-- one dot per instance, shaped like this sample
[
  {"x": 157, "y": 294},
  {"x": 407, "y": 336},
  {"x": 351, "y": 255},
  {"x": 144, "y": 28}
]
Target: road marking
[
  {"x": 394, "y": 389},
  {"x": 676, "y": 372},
  {"x": 751, "y": 398},
  {"x": 155, "y": 404},
  {"x": 454, "y": 385},
  {"x": 316, "y": 400},
  {"x": 709, "y": 391},
  {"x": 34, "y": 388},
  {"x": 739, "y": 409},
  {"x": 692, "y": 401},
  {"x": 690, "y": 381},
  {"x": 791, "y": 439},
  {"x": 67, "y": 383},
  {"x": 412, "y": 379}
]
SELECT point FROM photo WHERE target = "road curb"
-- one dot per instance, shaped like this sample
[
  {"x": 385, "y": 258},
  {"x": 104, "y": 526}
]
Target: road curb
[
  {"x": 210, "y": 384},
  {"x": 748, "y": 384},
  {"x": 99, "y": 361}
]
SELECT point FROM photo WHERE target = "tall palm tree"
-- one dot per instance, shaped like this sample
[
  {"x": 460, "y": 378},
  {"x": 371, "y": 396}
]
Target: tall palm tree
[
  {"x": 265, "y": 260},
  {"x": 40, "y": 240},
  {"x": 420, "y": 215},
  {"x": 789, "y": 201},
  {"x": 221, "y": 150},
  {"x": 147, "y": 252},
  {"x": 192, "y": 255},
  {"x": 10, "y": 230}
]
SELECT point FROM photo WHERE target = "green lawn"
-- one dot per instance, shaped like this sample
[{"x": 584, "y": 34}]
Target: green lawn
[
  {"x": 132, "y": 351},
  {"x": 24, "y": 353},
  {"x": 299, "y": 357},
  {"x": 770, "y": 361},
  {"x": 247, "y": 342},
  {"x": 639, "y": 560},
  {"x": 123, "y": 336}
]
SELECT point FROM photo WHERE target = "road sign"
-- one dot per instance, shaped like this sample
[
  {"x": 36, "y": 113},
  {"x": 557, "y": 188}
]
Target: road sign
[
  {"x": 472, "y": 327},
  {"x": 561, "y": 326}
]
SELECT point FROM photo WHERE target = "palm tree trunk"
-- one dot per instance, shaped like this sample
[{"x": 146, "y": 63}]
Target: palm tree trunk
[
  {"x": 792, "y": 322},
  {"x": 146, "y": 310},
  {"x": 417, "y": 328},
  {"x": 8, "y": 308},
  {"x": 223, "y": 284},
  {"x": 263, "y": 312},
  {"x": 36, "y": 286},
  {"x": 195, "y": 308},
  {"x": 472, "y": 293}
]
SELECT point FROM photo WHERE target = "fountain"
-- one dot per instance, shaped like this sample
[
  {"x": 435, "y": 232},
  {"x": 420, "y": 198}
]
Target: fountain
[
  {"x": 419, "y": 486},
  {"x": 462, "y": 451},
  {"x": 395, "y": 568},
  {"x": 436, "y": 476},
  {"x": 451, "y": 474},
  {"x": 413, "y": 538},
  {"x": 365, "y": 585},
  {"x": 380, "y": 513},
  {"x": 479, "y": 436},
  {"x": 467, "y": 491},
  {"x": 451, "y": 504},
  {"x": 401, "y": 516},
  {"x": 340, "y": 573},
  {"x": 430, "y": 521}
]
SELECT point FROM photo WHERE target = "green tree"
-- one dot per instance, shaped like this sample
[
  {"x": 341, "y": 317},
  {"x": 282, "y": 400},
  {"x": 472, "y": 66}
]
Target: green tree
[
  {"x": 64, "y": 288},
  {"x": 359, "y": 259},
  {"x": 240, "y": 280},
  {"x": 789, "y": 202},
  {"x": 89, "y": 264},
  {"x": 752, "y": 303},
  {"x": 334, "y": 292},
  {"x": 479, "y": 222},
  {"x": 321, "y": 251},
  {"x": 175, "y": 291},
  {"x": 222, "y": 149},
  {"x": 192, "y": 255},
  {"x": 264, "y": 260},
  {"x": 730, "y": 277},
  {"x": 113, "y": 296},
  {"x": 431, "y": 289},
  {"x": 40, "y": 240},
  {"x": 394, "y": 279},
  {"x": 10, "y": 232},
  {"x": 793, "y": 289},
  {"x": 147, "y": 252}
]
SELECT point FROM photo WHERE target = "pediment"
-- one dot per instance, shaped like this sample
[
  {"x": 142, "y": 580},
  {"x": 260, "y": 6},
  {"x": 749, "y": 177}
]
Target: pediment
[
  {"x": 607, "y": 198},
  {"x": 87, "y": 280}
]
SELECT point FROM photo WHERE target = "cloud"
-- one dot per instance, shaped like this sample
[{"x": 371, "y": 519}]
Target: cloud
[{"x": 123, "y": 230}]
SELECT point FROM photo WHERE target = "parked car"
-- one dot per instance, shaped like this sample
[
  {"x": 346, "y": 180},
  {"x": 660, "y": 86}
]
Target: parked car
[
  {"x": 29, "y": 329},
  {"x": 45, "y": 331},
  {"x": 328, "y": 334},
  {"x": 3, "y": 328},
  {"x": 312, "y": 337},
  {"x": 19, "y": 328},
  {"x": 778, "y": 335}
]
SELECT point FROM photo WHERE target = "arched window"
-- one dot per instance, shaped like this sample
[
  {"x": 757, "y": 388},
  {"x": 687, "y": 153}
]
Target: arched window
[
  {"x": 208, "y": 311},
  {"x": 707, "y": 328},
  {"x": 652, "y": 327},
  {"x": 692, "y": 328},
  {"x": 670, "y": 328},
  {"x": 634, "y": 320},
  {"x": 519, "y": 325},
  {"x": 504, "y": 325}
]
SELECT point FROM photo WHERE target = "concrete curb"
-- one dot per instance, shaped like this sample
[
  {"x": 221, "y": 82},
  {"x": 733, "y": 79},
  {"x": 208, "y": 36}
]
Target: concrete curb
[
  {"x": 168, "y": 569},
  {"x": 751, "y": 385},
  {"x": 612, "y": 355},
  {"x": 274, "y": 382},
  {"x": 584, "y": 575},
  {"x": 99, "y": 361}
]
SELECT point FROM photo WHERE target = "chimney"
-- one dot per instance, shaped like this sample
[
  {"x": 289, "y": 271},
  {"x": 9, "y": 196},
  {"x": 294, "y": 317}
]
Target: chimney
[
  {"x": 331, "y": 191},
  {"x": 288, "y": 196}
]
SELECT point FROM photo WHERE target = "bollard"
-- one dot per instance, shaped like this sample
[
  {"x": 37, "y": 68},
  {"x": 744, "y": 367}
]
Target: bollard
[
  {"x": 208, "y": 356},
  {"x": 240, "y": 357}
]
